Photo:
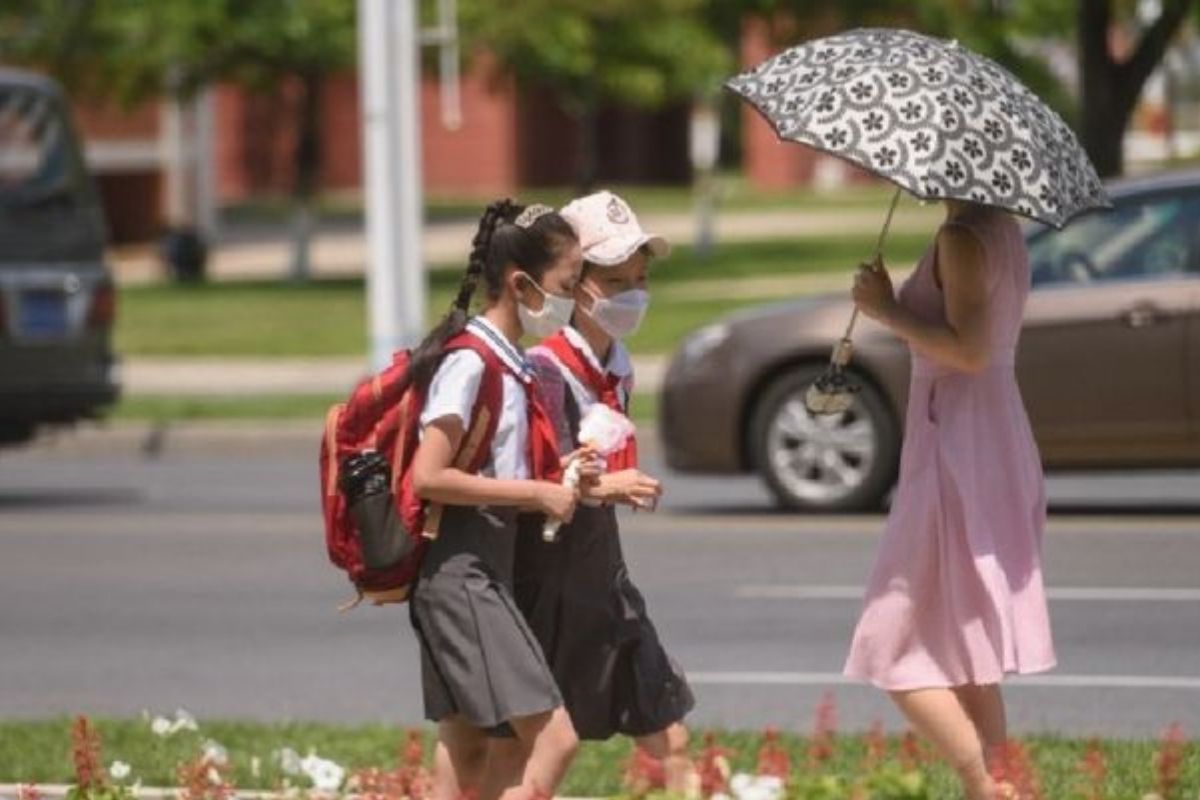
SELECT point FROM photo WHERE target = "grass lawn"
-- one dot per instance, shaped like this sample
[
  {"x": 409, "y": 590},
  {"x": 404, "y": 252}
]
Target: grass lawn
[
  {"x": 327, "y": 317},
  {"x": 39, "y": 752},
  {"x": 734, "y": 193}
]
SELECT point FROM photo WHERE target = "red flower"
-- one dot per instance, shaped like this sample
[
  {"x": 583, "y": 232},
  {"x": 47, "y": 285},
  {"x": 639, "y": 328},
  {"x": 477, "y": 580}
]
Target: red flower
[
  {"x": 773, "y": 759},
  {"x": 877, "y": 746},
  {"x": 644, "y": 773},
  {"x": 1169, "y": 761},
  {"x": 712, "y": 767},
  {"x": 1094, "y": 769},
  {"x": 85, "y": 752},
  {"x": 409, "y": 780},
  {"x": 1015, "y": 768},
  {"x": 203, "y": 779},
  {"x": 821, "y": 747}
]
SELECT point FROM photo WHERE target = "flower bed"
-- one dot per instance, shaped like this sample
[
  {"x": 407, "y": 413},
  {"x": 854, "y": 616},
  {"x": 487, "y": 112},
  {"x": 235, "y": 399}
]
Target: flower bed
[{"x": 115, "y": 759}]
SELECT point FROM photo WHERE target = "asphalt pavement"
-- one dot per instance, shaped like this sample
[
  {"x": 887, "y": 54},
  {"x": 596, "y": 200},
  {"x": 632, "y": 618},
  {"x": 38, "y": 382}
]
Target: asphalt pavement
[{"x": 138, "y": 572}]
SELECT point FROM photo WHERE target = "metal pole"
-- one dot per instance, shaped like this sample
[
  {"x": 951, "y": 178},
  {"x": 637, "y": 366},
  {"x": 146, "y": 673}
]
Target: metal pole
[{"x": 390, "y": 78}]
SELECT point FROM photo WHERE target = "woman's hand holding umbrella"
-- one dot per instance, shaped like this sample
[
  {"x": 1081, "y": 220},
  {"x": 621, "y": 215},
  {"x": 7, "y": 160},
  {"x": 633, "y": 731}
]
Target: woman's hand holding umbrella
[{"x": 873, "y": 292}]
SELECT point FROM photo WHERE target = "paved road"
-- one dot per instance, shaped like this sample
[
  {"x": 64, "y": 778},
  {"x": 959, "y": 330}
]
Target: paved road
[{"x": 196, "y": 579}]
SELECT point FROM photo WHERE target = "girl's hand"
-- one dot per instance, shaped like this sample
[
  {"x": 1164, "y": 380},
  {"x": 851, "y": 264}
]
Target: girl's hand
[
  {"x": 590, "y": 466},
  {"x": 631, "y": 487},
  {"x": 555, "y": 500},
  {"x": 873, "y": 292}
]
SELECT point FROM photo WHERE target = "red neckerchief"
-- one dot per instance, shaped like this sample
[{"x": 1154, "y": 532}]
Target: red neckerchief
[
  {"x": 602, "y": 385},
  {"x": 544, "y": 460}
]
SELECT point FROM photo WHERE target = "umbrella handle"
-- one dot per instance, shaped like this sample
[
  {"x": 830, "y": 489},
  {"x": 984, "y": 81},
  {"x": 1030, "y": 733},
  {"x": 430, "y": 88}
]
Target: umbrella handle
[{"x": 875, "y": 263}]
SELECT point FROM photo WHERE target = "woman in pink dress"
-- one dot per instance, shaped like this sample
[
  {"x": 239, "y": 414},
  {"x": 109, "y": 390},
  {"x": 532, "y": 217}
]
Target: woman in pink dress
[{"x": 955, "y": 600}]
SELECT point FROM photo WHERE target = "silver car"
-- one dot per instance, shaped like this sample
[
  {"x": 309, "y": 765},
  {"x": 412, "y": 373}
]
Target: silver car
[{"x": 57, "y": 299}]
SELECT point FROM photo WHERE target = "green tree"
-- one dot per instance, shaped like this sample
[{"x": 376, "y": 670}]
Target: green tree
[
  {"x": 132, "y": 50},
  {"x": 645, "y": 53},
  {"x": 1109, "y": 87}
]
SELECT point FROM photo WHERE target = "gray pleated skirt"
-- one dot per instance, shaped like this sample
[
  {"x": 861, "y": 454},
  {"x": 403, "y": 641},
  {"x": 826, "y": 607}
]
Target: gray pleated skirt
[{"x": 479, "y": 659}]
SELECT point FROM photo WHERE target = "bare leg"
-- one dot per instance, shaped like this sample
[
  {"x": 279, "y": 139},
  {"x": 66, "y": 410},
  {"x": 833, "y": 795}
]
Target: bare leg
[
  {"x": 458, "y": 762},
  {"x": 506, "y": 759},
  {"x": 938, "y": 715},
  {"x": 547, "y": 745},
  {"x": 671, "y": 747},
  {"x": 985, "y": 705}
]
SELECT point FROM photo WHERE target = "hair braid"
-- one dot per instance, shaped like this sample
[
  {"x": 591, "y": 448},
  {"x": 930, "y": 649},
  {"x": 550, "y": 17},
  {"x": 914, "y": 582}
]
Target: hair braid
[{"x": 496, "y": 212}]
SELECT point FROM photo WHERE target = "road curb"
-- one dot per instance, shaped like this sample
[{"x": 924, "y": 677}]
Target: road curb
[{"x": 152, "y": 439}]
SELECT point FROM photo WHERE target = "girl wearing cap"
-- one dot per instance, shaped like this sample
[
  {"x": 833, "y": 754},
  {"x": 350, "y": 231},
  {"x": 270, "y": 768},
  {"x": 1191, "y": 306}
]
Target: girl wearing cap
[{"x": 576, "y": 592}]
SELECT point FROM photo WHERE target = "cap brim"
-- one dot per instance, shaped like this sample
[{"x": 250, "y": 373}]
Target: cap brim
[{"x": 618, "y": 249}]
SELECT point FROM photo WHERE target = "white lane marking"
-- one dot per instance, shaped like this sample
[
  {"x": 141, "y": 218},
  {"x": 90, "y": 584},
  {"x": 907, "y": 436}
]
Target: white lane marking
[
  {"x": 1091, "y": 593},
  {"x": 736, "y": 678}
]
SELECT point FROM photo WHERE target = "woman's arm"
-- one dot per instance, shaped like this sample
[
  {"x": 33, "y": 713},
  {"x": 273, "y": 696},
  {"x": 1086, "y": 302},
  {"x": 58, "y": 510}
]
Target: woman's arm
[
  {"x": 435, "y": 479},
  {"x": 961, "y": 342}
]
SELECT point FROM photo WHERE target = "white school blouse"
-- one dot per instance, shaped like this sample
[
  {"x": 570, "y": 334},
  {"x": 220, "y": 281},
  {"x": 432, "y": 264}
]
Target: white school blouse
[{"x": 455, "y": 386}]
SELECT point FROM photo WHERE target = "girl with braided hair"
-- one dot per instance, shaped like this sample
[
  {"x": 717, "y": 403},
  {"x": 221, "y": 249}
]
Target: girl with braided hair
[{"x": 483, "y": 673}]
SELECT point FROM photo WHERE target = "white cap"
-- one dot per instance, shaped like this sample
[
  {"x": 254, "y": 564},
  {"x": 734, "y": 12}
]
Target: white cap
[{"x": 608, "y": 229}]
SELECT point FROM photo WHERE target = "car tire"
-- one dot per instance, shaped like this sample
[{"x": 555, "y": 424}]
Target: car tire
[
  {"x": 846, "y": 462},
  {"x": 13, "y": 433}
]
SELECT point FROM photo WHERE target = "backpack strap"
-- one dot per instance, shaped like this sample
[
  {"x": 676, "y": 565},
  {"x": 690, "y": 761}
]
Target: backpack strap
[
  {"x": 542, "y": 454},
  {"x": 476, "y": 444}
]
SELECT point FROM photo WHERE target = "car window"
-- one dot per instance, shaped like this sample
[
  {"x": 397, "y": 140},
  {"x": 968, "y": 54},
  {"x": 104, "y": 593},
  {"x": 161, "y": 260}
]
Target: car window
[
  {"x": 33, "y": 144},
  {"x": 1142, "y": 238}
]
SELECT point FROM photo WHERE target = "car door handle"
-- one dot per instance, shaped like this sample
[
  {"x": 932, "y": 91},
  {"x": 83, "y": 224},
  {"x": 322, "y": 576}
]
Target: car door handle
[{"x": 1143, "y": 316}]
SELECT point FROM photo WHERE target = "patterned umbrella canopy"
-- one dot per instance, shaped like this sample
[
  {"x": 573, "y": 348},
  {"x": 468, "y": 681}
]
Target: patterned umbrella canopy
[{"x": 930, "y": 116}]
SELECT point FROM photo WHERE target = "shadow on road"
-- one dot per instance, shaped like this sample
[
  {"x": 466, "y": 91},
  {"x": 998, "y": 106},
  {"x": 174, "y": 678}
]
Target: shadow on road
[{"x": 59, "y": 499}]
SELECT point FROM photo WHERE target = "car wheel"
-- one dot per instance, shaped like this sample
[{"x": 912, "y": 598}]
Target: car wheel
[
  {"x": 840, "y": 462},
  {"x": 15, "y": 433}
]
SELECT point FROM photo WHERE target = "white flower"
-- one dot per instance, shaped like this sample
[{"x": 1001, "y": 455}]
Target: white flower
[
  {"x": 255, "y": 766},
  {"x": 756, "y": 787},
  {"x": 289, "y": 761},
  {"x": 161, "y": 726},
  {"x": 326, "y": 776},
  {"x": 183, "y": 722},
  {"x": 119, "y": 770},
  {"x": 215, "y": 753},
  {"x": 604, "y": 429}
]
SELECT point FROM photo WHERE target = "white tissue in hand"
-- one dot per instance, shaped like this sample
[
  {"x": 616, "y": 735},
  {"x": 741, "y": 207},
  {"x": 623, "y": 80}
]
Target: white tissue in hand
[{"x": 604, "y": 429}]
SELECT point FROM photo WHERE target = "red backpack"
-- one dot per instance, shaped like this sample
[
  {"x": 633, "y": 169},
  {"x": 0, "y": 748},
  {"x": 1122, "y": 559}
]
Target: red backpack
[{"x": 381, "y": 546}]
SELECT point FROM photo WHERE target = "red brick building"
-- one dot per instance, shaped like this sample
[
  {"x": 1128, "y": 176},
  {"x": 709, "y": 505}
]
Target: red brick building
[{"x": 510, "y": 137}]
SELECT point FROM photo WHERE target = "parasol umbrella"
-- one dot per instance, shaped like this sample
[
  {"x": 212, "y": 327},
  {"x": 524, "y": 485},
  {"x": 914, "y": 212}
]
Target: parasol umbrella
[{"x": 929, "y": 115}]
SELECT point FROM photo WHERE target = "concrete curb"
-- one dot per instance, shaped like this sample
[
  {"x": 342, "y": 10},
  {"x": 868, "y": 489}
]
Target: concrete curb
[
  {"x": 250, "y": 437},
  {"x": 225, "y": 377},
  {"x": 153, "y": 439}
]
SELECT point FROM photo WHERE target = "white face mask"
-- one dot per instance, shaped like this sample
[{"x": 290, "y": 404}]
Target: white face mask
[
  {"x": 555, "y": 314},
  {"x": 620, "y": 315}
]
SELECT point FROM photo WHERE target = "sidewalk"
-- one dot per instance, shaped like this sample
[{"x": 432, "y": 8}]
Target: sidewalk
[
  {"x": 340, "y": 251},
  {"x": 213, "y": 377}
]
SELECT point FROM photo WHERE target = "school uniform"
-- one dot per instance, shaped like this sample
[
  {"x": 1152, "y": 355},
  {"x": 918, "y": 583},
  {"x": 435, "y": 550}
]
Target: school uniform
[
  {"x": 479, "y": 657},
  {"x": 576, "y": 592}
]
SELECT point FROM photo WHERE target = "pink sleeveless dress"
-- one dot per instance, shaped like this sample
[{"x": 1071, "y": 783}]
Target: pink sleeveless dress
[{"x": 956, "y": 594}]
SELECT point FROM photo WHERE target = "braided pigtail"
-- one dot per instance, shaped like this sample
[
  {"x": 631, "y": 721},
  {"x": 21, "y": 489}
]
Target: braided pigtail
[{"x": 428, "y": 354}]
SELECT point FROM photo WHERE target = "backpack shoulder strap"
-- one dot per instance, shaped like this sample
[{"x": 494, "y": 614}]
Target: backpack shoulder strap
[
  {"x": 485, "y": 417},
  {"x": 476, "y": 445}
]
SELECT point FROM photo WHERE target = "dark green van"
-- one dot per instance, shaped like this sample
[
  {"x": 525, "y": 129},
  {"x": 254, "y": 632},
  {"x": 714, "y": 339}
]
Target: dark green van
[{"x": 57, "y": 299}]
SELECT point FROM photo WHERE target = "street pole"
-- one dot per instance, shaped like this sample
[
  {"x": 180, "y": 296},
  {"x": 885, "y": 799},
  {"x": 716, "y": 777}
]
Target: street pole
[{"x": 390, "y": 81}]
